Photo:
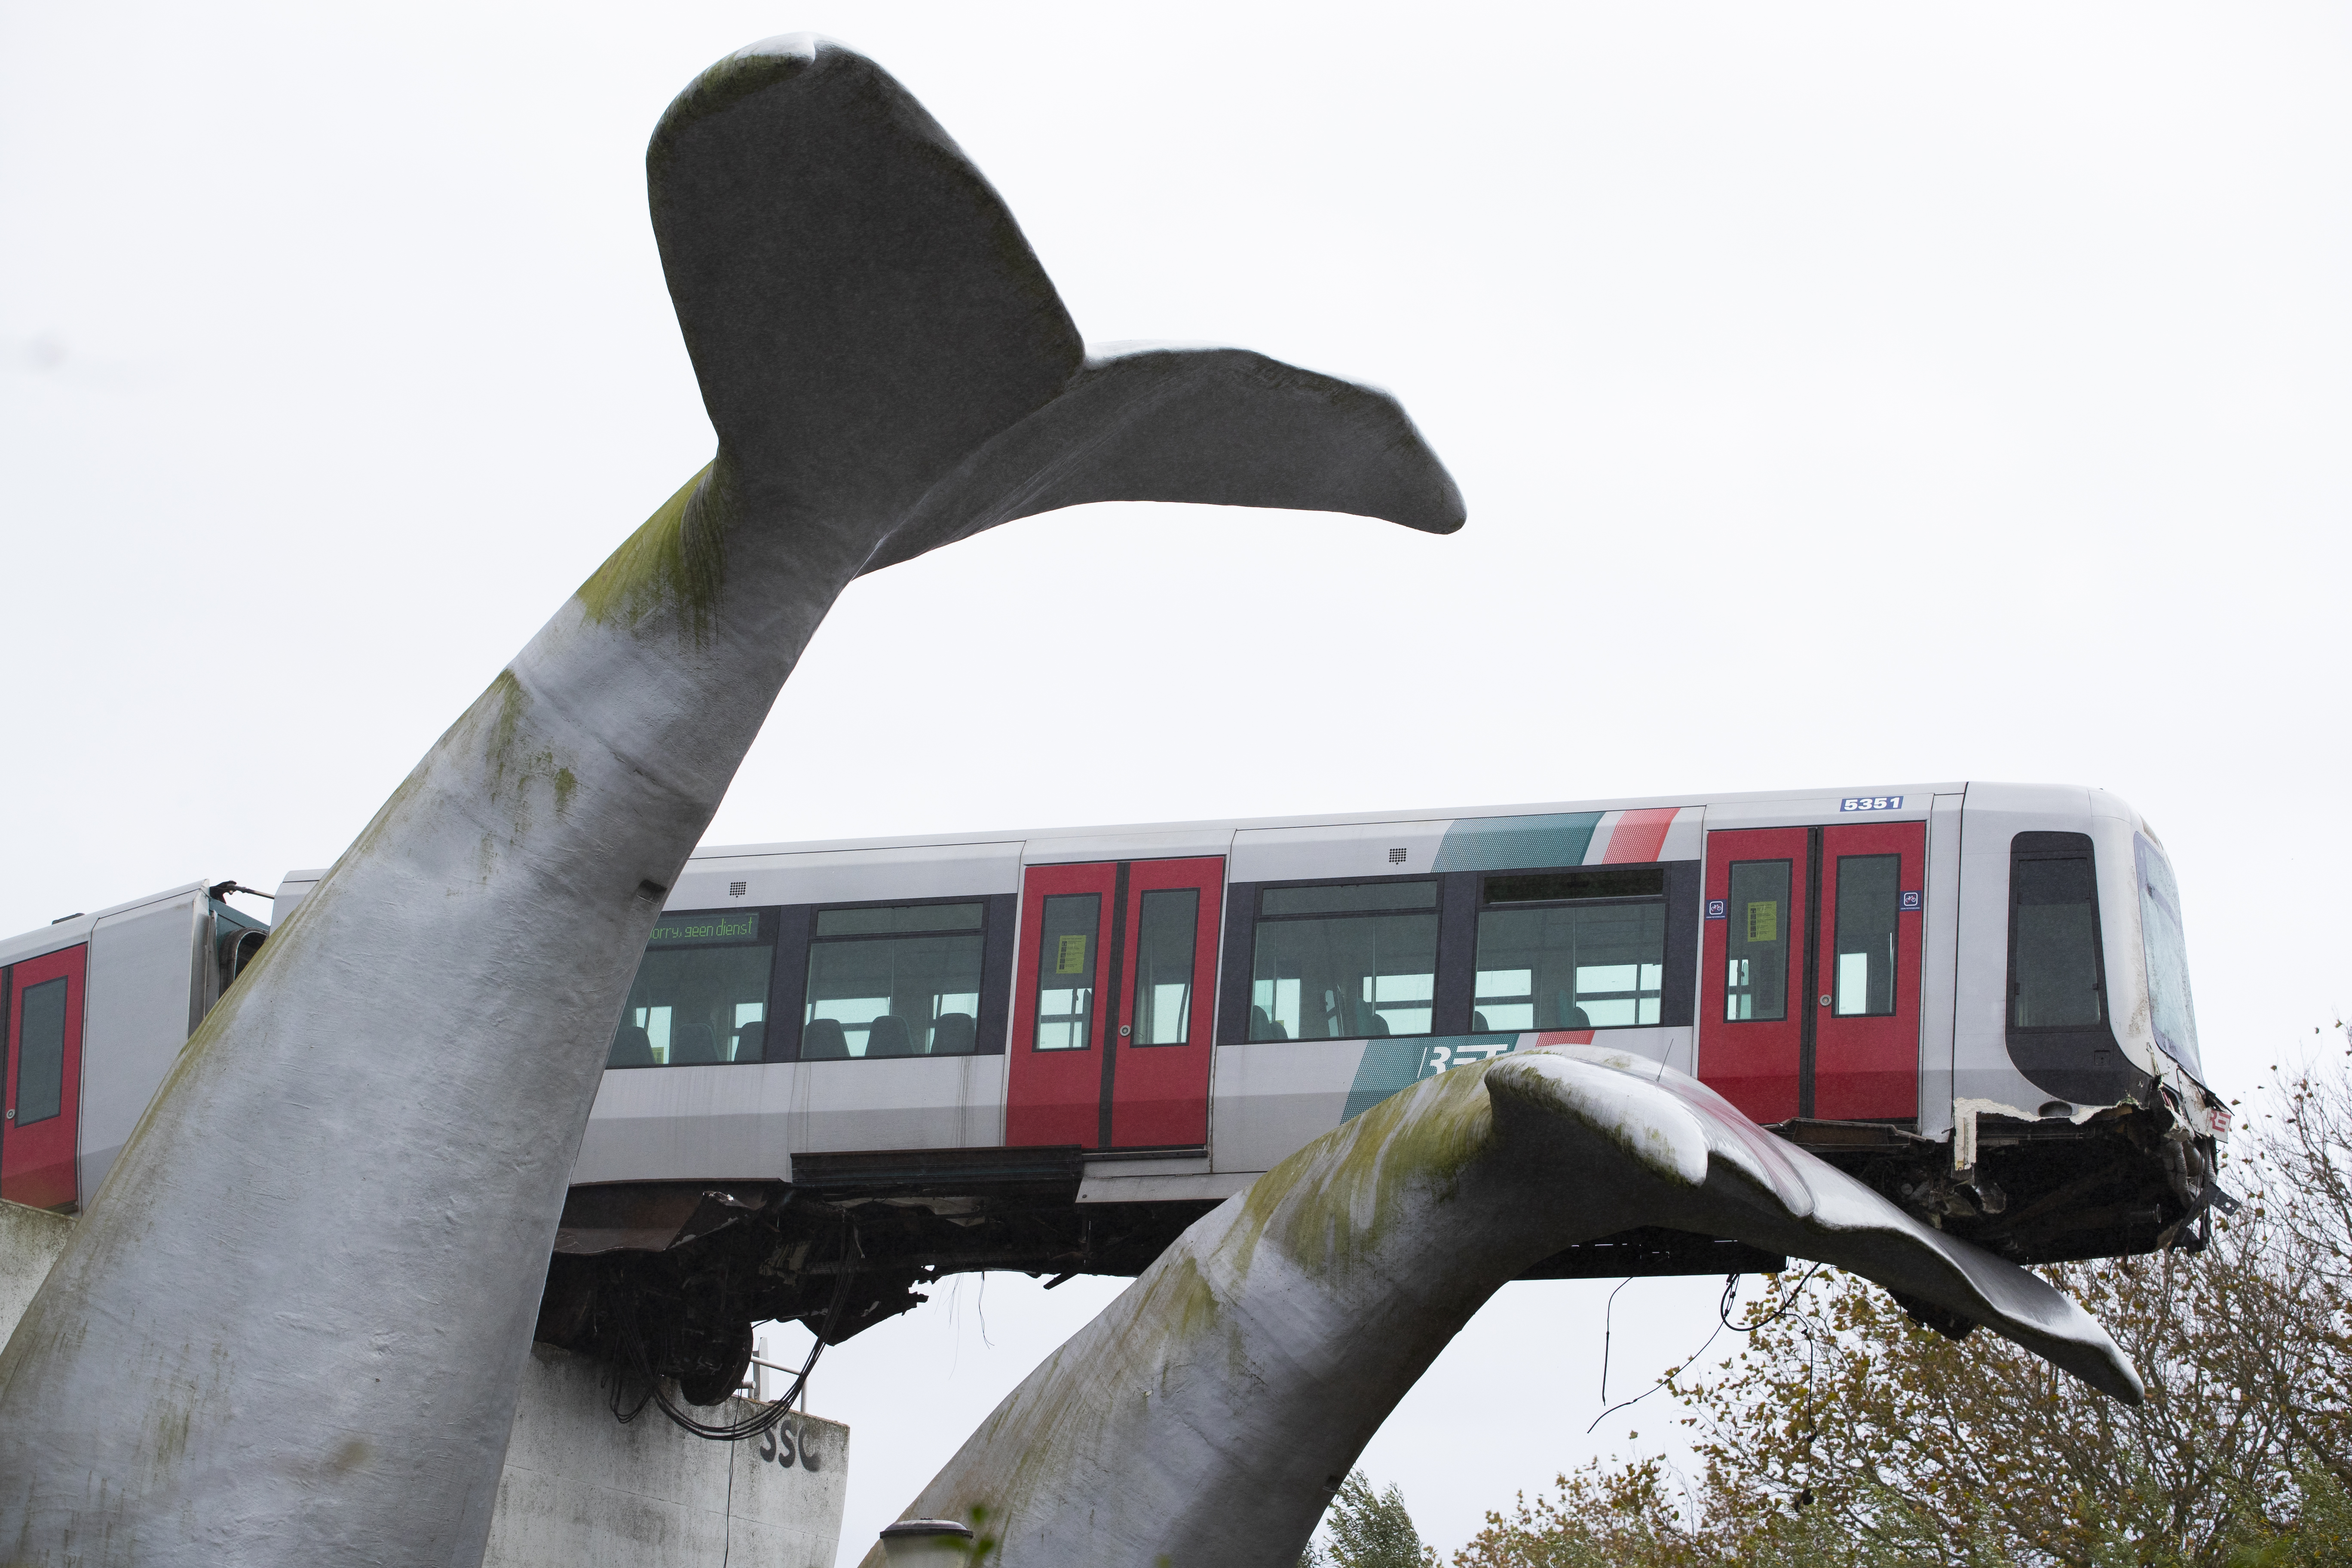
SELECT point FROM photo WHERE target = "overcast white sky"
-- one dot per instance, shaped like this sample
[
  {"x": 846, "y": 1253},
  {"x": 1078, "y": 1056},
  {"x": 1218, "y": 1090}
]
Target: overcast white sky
[{"x": 1845, "y": 396}]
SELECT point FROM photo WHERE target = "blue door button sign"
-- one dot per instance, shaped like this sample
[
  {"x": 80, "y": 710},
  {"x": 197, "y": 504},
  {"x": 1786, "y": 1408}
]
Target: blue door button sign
[
  {"x": 1719, "y": 908},
  {"x": 1910, "y": 900}
]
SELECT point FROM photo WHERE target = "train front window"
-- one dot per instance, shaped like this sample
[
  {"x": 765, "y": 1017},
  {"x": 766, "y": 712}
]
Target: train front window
[
  {"x": 2167, "y": 950},
  {"x": 700, "y": 995},
  {"x": 1065, "y": 971},
  {"x": 1344, "y": 962},
  {"x": 2054, "y": 973},
  {"x": 1755, "y": 989},
  {"x": 894, "y": 980},
  {"x": 1868, "y": 898},
  {"x": 1571, "y": 950}
]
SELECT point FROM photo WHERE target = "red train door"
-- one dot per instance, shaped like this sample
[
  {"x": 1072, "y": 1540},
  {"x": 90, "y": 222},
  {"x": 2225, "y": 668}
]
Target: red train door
[
  {"x": 1751, "y": 1024},
  {"x": 1867, "y": 982},
  {"x": 1809, "y": 994},
  {"x": 1115, "y": 984},
  {"x": 42, "y": 1082}
]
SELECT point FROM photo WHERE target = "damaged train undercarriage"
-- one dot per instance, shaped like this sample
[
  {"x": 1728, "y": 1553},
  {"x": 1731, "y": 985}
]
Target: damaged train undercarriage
[{"x": 666, "y": 1279}]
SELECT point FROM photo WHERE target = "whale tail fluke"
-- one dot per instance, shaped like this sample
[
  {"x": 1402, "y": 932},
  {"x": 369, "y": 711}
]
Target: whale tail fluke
[
  {"x": 880, "y": 351},
  {"x": 1219, "y": 427},
  {"x": 1638, "y": 1120}
]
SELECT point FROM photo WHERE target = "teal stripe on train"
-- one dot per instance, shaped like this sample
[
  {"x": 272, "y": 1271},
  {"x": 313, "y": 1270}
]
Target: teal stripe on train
[
  {"x": 1510, "y": 843},
  {"x": 1390, "y": 1067}
]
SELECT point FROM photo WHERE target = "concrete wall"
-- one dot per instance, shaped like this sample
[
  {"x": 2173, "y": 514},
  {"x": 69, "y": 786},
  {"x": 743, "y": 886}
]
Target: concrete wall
[{"x": 581, "y": 1490}]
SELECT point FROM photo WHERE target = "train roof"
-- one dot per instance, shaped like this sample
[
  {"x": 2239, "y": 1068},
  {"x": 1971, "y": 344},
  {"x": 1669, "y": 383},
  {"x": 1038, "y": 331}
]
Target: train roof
[
  {"x": 1210, "y": 826},
  {"x": 71, "y": 928}
]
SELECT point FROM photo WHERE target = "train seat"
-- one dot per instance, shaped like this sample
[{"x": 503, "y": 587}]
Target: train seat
[
  {"x": 889, "y": 1037},
  {"x": 751, "y": 1042},
  {"x": 953, "y": 1035},
  {"x": 822, "y": 1041},
  {"x": 632, "y": 1047},
  {"x": 1264, "y": 1027},
  {"x": 692, "y": 1045}
]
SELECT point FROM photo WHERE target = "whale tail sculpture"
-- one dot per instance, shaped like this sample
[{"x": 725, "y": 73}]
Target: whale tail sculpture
[
  {"x": 291, "y": 1328},
  {"x": 1209, "y": 1413}
]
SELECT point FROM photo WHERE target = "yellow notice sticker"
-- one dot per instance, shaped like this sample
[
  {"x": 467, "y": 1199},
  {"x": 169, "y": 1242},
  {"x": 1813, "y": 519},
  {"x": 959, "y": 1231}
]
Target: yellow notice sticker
[
  {"x": 1764, "y": 920},
  {"x": 1070, "y": 956}
]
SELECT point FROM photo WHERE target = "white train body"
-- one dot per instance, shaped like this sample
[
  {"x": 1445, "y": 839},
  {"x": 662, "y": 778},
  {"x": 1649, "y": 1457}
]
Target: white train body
[
  {"x": 97, "y": 1008},
  {"x": 1048, "y": 1050}
]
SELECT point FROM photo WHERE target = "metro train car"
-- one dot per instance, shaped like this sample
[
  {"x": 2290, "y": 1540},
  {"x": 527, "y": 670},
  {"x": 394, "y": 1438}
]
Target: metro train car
[
  {"x": 846, "y": 1069},
  {"x": 97, "y": 1006}
]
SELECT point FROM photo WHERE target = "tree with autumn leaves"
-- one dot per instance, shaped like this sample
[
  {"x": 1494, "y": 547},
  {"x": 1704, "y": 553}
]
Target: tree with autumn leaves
[{"x": 1848, "y": 1434}]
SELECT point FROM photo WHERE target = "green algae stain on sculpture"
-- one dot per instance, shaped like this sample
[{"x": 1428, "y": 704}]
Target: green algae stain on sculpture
[
  {"x": 514, "y": 767},
  {"x": 675, "y": 565},
  {"x": 1331, "y": 1204}
]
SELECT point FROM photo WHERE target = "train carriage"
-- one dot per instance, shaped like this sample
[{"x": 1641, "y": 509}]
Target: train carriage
[{"x": 844, "y": 1069}]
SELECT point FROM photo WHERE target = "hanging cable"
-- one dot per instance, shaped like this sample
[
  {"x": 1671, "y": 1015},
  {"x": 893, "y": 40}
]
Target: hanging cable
[
  {"x": 1723, "y": 1321},
  {"x": 1607, "y": 1326},
  {"x": 1723, "y": 1307},
  {"x": 1730, "y": 1283},
  {"x": 633, "y": 1347}
]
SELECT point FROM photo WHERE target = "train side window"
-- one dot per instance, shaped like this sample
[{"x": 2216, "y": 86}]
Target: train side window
[
  {"x": 2055, "y": 977},
  {"x": 1344, "y": 960},
  {"x": 1571, "y": 950},
  {"x": 894, "y": 980},
  {"x": 41, "y": 1052},
  {"x": 700, "y": 995},
  {"x": 1168, "y": 930},
  {"x": 1755, "y": 989},
  {"x": 1067, "y": 956},
  {"x": 1869, "y": 898}
]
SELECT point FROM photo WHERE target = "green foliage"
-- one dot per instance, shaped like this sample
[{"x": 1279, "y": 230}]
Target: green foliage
[
  {"x": 1369, "y": 1529},
  {"x": 1847, "y": 1435}
]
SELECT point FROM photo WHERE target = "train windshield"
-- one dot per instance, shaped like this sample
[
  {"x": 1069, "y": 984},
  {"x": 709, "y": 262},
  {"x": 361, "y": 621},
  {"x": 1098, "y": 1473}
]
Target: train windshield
[{"x": 2168, "y": 956}]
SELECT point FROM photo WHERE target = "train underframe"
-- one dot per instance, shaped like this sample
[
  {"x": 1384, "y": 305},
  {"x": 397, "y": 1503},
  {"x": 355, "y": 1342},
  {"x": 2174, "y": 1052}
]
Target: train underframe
[{"x": 666, "y": 1279}]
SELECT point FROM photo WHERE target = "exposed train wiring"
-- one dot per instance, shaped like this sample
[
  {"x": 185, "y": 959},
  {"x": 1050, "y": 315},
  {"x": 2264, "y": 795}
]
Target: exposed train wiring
[
  {"x": 1723, "y": 1307},
  {"x": 1731, "y": 1282},
  {"x": 1722, "y": 1322},
  {"x": 634, "y": 1349},
  {"x": 1607, "y": 1327}
]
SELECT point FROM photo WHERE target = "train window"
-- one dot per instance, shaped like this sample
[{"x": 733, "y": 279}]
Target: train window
[
  {"x": 1571, "y": 950},
  {"x": 1065, "y": 971},
  {"x": 1868, "y": 896},
  {"x": 2055, "y": 973},
  {"x": 1167, "y": 930},
  {"x": 41, "y": 1052},
  {"x": 1756, "y": 990},
  {"x": 1344, "y": 962},
  {"x": 899, "y": 980},
  {"x": 701, "y": 992},
  {"x": 2174, "y": 1018}
]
